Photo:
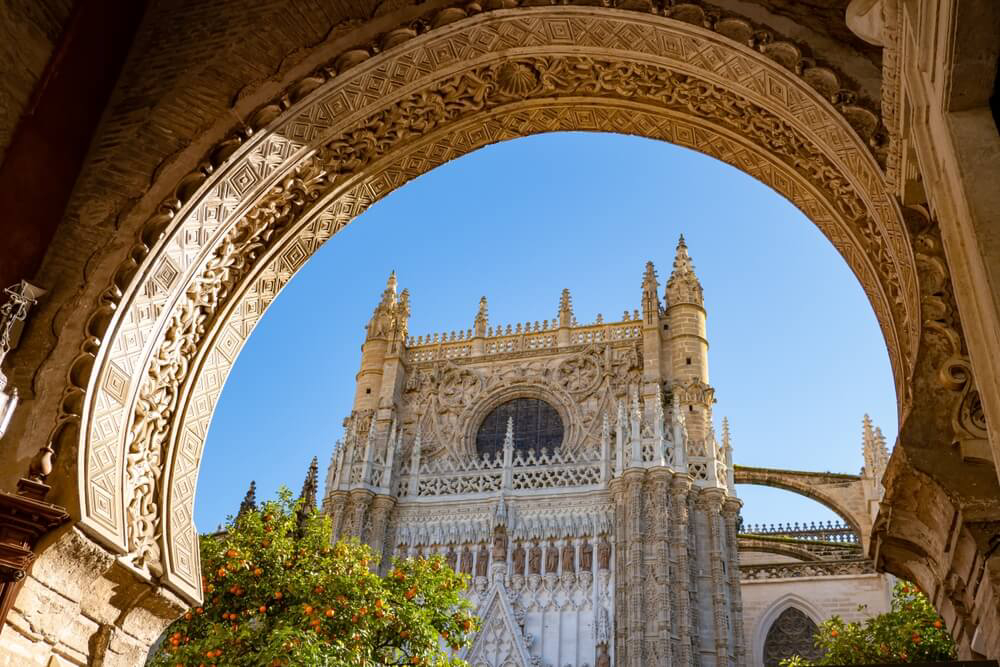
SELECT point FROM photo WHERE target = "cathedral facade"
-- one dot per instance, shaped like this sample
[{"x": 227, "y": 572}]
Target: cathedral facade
[{"x": 573, "y": 471}]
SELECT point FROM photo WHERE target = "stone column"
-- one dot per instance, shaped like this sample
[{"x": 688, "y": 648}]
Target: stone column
[
  {"x": 711, "y": 500},
  {"x": 617, "y": 487},
  {"x": 360, "y": 500},
  {"x": 380, "y": 509},
  {"x": 679, "y": 489},
  {"x": 635, "y": 637},
  {"x": 336, "y": 506},
  {"x": 730, "y": 515},
  {"x": 660, "y": 480}
]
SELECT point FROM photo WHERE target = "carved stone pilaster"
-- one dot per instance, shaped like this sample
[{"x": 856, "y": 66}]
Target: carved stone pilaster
[
  {"x": 730, "y": 515},
  {"x": 711, "y": 500},
  {"x": 679, "y": 490},
  {"x": 660, "y": 482},
  {"x": 335, "y": 506},
  {"x": 618, "y": 493},
  {"x": 360, "y": 501},
  {"x": 635, "y": 638},
  {"x": 380, "y": 509}
]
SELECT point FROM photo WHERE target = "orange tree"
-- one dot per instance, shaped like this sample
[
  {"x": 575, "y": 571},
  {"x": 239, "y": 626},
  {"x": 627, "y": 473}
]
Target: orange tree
[
  {"x": 277, "y": 593},
  {"x": 910, "y": 632}
]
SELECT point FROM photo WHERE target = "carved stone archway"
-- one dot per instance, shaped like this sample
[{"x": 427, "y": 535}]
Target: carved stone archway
[
  {"x": 380, "y": 122},
  {"x": 187, "y": 294}
]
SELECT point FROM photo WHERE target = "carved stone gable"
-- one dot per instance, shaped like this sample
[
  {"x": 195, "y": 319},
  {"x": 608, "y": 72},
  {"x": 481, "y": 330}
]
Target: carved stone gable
[{"x": 500, "y": 642}]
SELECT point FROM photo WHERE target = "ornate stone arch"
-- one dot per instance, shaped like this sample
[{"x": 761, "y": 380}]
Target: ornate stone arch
[{"x": 167, "y": 331}]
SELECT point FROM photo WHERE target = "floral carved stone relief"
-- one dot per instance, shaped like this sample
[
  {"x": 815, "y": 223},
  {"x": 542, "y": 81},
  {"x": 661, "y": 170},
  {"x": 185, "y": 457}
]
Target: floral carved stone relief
[{"x": 226, "y": 255}]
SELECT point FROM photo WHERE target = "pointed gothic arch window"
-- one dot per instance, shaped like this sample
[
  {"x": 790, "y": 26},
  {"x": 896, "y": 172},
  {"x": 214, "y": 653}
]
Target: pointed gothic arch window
[
  {"x": 537, "y": 425},
  {"x": 790, "y": 634}
]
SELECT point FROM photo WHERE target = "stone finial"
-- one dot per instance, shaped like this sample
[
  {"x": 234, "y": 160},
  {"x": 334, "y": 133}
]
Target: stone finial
[
  {"x": 565, "y": 309},
  {"x": 482, "y": 317},
  {"x": 249, "y": 503},
  {"x": 650, "y": 296},
  {"x": 683, "y": 285}
]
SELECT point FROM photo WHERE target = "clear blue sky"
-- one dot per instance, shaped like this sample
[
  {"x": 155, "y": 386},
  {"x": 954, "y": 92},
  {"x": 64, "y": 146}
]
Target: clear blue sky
[{"x": 796, "y": 354}]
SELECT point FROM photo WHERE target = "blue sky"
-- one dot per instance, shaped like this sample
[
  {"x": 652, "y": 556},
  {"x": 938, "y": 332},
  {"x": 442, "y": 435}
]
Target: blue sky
[{"x": 796, "y": 355}]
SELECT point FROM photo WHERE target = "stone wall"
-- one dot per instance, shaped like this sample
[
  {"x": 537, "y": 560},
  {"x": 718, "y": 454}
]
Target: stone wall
[{"x": 819, "y": 597}]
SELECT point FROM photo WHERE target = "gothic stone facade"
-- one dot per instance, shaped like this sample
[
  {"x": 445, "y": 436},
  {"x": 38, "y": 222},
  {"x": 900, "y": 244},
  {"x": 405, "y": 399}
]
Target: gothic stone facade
[{"x": 571, "y": 470}]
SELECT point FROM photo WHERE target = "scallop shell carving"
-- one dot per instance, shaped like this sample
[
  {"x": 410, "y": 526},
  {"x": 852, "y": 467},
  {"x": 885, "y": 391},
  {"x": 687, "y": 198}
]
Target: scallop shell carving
[{"x": 516, "y": 79}]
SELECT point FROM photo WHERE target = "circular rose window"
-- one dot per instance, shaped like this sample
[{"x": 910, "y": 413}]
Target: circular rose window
[{"x": 537, "y": 425}]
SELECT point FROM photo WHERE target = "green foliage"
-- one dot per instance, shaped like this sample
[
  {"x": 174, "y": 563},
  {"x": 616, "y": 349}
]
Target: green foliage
[
  {"x": 275, "y": 597},
  {"x": 911, "y": 632}
]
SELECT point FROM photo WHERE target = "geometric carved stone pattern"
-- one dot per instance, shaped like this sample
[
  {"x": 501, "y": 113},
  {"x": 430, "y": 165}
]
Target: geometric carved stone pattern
[{"x": 670, "y": 80}]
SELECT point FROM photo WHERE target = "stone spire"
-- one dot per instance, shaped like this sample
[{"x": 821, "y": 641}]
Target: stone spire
[
  {"x": 249, "y": 503},
  {"x": 308, "y": 493},
  {"x": 482, "y": 318},
  {"x": 683, "y": 285},
  {"x": 308, "y": 498},
  {"x": 650, "y": 296}
]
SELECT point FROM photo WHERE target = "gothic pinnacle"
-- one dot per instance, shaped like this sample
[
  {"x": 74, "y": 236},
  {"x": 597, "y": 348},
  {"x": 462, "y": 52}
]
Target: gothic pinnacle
[
  {"x": 482, "y": 317},
  {"x": 391, "y": 283},
  {"x": 565, "y": 309},
  {"x": 308, "y": 493},
  {"x": 249, "y": 503},
  {"x": 650, "y": 298},
  {"x": 307, "y": 498},
  {"x": 683, "y": 285}
]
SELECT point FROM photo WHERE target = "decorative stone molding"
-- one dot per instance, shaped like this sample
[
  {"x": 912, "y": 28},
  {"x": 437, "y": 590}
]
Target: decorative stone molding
[{"x": 181, "y": 307}]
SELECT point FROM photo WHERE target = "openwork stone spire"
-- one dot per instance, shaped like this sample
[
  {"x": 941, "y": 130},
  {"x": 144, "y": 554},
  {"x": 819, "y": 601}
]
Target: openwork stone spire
[
  {"x": 683, "y": 286},
  {"x": 249, "y": 503},
  {"x": 392, "y": 314}
]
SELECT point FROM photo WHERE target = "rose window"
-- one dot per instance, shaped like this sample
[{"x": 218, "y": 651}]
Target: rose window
[{"x": 537, "y": 426}]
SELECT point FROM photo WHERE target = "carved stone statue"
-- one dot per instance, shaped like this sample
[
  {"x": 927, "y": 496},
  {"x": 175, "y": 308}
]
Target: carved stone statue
[
  {"x": 586, "y": 556},
  {"x": 482, "y": 560},
  {"x": 535, "y": 559},
  {"x": 499, "y": 546},
  {"x": 551, "y": 558},
  {"x": 603, "y": 659},
  {"x": 451, "y": 557},
  {"x": 568, "y": 558},
  {"x": 466, "y": 560},
  {"x": 603, "y": 553},
  {"x": 519, "y": 559}
]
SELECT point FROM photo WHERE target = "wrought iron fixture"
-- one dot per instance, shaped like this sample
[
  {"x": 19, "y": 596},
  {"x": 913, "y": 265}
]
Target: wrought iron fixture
[{"x": 19, "y": 300}]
